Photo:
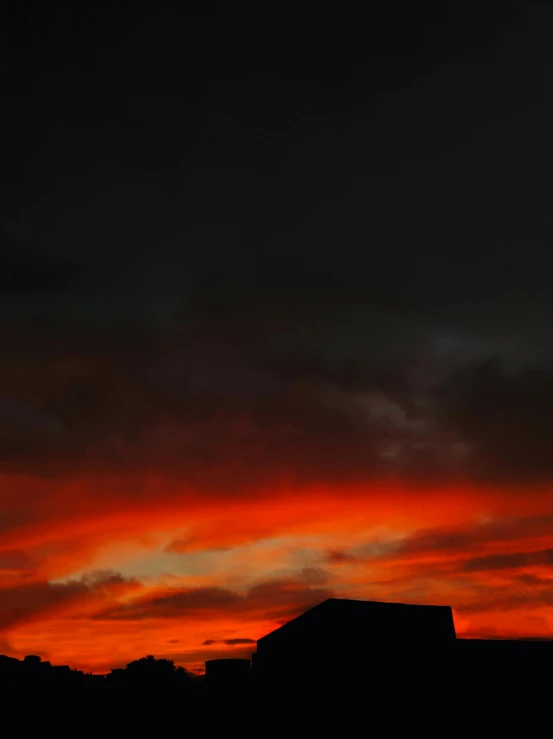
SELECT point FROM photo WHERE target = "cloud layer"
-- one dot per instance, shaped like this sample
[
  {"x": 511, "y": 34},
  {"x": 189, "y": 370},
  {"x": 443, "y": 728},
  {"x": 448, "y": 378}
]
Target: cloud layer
[{"x": 273, "y": 329}]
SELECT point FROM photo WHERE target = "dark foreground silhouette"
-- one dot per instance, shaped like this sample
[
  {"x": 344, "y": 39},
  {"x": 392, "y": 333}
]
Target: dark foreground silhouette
[{"x": 353, "y": 667}]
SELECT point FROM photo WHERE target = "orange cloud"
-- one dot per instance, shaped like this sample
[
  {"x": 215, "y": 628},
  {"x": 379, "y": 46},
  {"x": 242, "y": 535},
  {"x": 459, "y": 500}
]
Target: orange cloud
[{"x": 246, "y": 562}]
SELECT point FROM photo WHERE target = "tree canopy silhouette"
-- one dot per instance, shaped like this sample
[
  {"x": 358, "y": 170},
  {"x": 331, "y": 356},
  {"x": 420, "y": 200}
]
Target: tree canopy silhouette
[
  {"x": 149, "y": 665},
  {"x": 151, "y": 670}
]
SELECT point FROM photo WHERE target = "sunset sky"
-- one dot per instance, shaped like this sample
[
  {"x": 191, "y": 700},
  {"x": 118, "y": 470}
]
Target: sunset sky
[{"x": 275, "y": 322}]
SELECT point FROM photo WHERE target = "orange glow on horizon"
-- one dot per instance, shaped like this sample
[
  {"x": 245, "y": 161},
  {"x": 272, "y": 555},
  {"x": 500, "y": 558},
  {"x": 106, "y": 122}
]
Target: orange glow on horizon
[{"x": 95, "y": 579}]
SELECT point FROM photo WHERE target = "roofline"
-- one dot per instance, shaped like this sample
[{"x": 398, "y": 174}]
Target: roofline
[
  {"x": 350, "y": 600},
  {"x": 383, "y": 603}
]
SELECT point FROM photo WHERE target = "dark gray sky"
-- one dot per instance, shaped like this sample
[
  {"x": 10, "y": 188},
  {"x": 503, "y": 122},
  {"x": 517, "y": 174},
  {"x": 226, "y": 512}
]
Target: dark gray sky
[{"x": 336, "y": 226}]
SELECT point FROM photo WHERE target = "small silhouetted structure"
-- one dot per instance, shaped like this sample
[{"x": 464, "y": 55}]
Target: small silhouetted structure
[
  {"x": 509, "y": 669},
  {"x": 8, "y": 665}
]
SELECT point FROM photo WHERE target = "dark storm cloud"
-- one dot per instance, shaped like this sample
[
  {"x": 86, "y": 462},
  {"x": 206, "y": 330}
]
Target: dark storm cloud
[
  {"x": 197, "y": 402},
  {"x": 14, "y": 560},
  {"x": 25, "y": 273},
  {"x": 314, "y": 576},
  {"x": 238, "y": 262},
  {"x": 173, "y": 604},
  {"x": 281, "y": 599},
  {"x": 24, "y": 603},
  {"x": 337, "y": 557},
  {"x": 510, "y": 561},
  {"x": 276, "y": 599},
  {"x": 507, "y": 417},
  {"x": 197, "y": 396},
  {"x": 459, "y": 553},
  {"x": 461, "y": 540},
  {"x": 221, "y": 163},
  {"x": 515, "y": 594}
]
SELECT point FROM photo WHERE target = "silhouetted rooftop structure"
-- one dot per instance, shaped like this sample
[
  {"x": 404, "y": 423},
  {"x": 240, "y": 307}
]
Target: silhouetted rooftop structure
[
  {"x": 336, "y": 622},
  {"x": 348, "y": 638}
]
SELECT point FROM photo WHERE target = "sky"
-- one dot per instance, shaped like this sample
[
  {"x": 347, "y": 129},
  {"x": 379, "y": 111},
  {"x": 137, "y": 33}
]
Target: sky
[{"x": 275, "y": 309}]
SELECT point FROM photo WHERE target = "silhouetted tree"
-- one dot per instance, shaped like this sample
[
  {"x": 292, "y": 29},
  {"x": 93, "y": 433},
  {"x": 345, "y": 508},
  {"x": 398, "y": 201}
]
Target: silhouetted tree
[
  {"x": 32, "y": 659},
  {"x": 150, "y": 666},
  {"x": 153, "y": 673}
]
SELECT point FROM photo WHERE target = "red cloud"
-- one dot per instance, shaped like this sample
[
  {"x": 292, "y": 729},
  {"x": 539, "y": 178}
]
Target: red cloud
[{"x": 54, "y": 528}]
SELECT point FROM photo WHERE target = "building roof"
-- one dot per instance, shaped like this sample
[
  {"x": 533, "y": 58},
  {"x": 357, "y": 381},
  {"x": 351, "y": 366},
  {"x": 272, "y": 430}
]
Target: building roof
[{"x": 359, "y": 622}]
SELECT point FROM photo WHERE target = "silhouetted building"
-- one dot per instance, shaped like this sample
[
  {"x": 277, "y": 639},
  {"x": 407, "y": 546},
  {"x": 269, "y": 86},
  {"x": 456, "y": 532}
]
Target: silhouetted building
[
  {"x": 8, "y": 665},
  {"x": 503, "y": 664},
  {"x": 353, "y": 642}
]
